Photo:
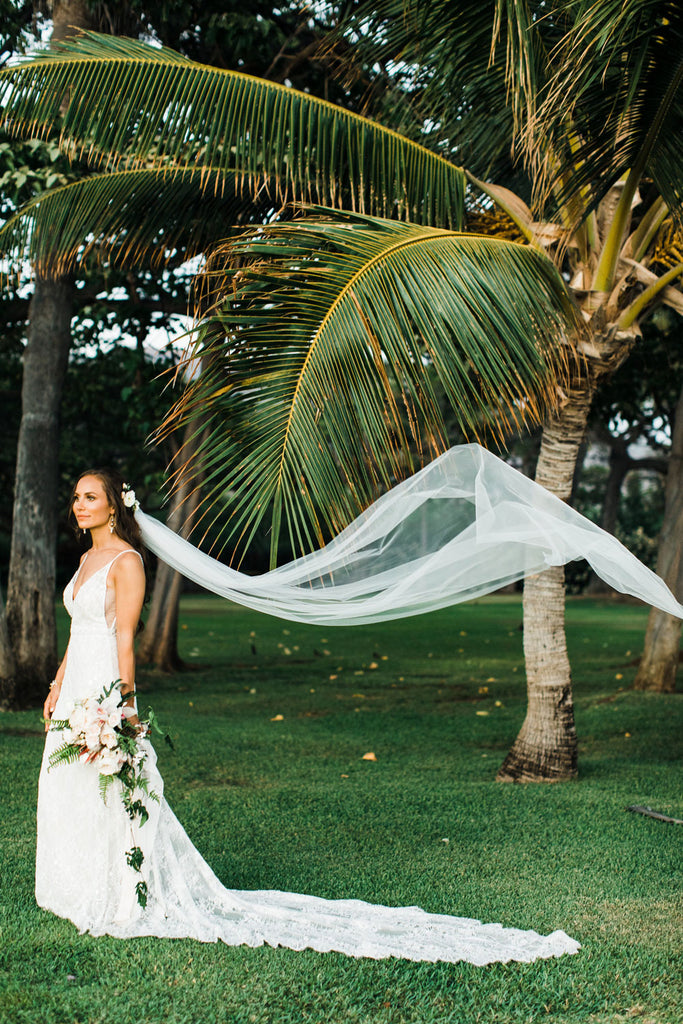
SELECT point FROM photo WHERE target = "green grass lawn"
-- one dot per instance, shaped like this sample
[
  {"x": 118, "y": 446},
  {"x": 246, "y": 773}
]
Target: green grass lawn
[{"x": 290, "y": 804}]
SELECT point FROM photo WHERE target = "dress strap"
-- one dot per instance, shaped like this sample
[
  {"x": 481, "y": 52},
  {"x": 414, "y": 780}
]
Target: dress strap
[{"x": 126, "y": 551}]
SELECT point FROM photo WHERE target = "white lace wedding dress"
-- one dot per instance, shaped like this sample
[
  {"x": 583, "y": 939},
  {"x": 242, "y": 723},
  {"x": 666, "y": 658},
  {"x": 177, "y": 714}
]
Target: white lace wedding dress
[{"x": 81, "y": 870}]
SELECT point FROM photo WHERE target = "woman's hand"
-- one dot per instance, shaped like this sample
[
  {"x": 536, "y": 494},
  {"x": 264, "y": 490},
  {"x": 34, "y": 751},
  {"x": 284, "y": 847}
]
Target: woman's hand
[{"x": 51, "y": 703}]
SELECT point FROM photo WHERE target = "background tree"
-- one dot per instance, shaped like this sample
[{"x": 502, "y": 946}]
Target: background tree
[
  {"x": 633, "y": 419},
  {"x": 30, "y": 592},
  {"x": 273, "y": 40},
  {"x": 657, "y": 669}
]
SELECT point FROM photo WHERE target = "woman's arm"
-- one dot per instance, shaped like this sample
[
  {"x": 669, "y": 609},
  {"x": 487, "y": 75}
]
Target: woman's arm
[
  {"x": 128, "y": 579},
  {"x": 55, "y": 689}
]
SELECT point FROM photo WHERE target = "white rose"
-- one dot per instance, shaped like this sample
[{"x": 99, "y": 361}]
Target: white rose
[
  {"x": 108, "y": 762},
  {"x": 77, "y": 719},
  {"x": 108, "y": 737},
  {"x": 129, "y": 499},
  {"x": 92, "y": 736},
  {"x": 93, "y": 718},
  {"x": 112, "y": 713}
]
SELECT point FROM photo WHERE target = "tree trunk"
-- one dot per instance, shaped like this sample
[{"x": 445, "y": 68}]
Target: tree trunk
[
  {"x": 545, "y": 749},
  {"x": 159, "y": 643},
  {"x": 31, "y": 586},
  {"x": 657, "y": 670},
  {"x": 67, "y": 15},
  {"x": 619, "y": 465},
  {"x": 7, "y": 666}
]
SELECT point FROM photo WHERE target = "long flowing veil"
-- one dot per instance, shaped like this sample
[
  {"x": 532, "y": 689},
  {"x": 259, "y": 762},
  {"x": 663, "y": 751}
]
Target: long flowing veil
[{"x": 464, "y": 526}]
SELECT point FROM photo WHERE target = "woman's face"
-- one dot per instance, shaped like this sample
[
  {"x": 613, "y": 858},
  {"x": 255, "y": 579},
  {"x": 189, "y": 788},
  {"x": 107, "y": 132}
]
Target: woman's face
[{"x": 91, "y": 506}]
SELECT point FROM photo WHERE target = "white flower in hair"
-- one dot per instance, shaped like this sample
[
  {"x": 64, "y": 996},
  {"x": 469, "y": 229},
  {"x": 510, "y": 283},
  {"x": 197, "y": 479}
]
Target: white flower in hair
[{"x": 129, "y": 499}]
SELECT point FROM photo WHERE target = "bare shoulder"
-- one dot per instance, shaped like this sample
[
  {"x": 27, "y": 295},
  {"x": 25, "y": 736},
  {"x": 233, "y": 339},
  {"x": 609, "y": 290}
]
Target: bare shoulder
[{"x": 128, "y": 567}]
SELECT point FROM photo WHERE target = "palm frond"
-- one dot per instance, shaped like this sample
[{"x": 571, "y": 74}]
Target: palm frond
[
  {"x": 123, "y": 105},
  {"x": 129, "y": 217},
  {"x": 616, "y": 89},
  {"x": 441, "y": 54},
  {"x": 320, "y": 354}
]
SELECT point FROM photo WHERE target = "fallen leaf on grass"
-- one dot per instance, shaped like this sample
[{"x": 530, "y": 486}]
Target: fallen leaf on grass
[
  {"x": 481, "y": 713},
  {"x": 369, "y": 757},
  {"x": 278, "y": 718}
]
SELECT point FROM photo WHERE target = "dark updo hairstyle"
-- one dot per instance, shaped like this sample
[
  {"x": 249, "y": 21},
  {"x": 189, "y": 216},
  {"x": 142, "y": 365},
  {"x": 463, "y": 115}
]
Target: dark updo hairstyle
[{"x": 125, "y": 526}]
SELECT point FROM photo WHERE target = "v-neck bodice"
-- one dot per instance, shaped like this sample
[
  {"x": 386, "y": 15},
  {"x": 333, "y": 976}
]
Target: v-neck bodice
[{"x": 92, "y": 608}]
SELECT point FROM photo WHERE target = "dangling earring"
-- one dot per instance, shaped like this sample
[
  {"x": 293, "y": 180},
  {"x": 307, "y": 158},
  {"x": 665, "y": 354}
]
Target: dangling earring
[
  {"x": 84, "y": 531},
  {"x": 112, "y": 522}
]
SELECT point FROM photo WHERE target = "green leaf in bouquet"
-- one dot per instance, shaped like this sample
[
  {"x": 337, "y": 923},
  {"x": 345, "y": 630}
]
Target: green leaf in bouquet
[
  {"x": 105, "y": 783},
  {"x": 57, "y": 724},
  {"x": 68, "y": 753}
]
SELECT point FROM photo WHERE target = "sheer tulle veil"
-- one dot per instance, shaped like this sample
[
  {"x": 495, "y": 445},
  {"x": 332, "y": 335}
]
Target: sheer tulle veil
[{"x": 464, "y": 526}]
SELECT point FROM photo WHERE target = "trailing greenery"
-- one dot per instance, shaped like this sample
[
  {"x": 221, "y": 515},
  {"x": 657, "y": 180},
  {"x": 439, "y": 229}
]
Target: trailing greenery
[{"x": 288, "y": 802}]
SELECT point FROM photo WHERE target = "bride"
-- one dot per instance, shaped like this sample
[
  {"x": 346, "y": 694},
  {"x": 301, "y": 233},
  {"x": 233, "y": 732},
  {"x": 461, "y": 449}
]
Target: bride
[{"x": 81, "y": 869}]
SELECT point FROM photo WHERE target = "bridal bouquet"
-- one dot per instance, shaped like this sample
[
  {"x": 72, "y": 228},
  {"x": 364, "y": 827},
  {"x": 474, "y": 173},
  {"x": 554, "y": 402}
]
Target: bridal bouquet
[{"x": 100, "y": 732}]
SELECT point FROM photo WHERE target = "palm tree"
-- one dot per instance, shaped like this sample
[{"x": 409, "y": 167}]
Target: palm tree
[
  {"x": 315, "y": 362},
  {"x": 595, "y": 111}
]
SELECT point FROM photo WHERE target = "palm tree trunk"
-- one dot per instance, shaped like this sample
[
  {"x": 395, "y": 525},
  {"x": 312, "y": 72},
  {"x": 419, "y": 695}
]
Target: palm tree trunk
[
  {"x": 546, "y": 749},
  {"x": 31, "y": 586},
  {"x": 657, "y": 670}
]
